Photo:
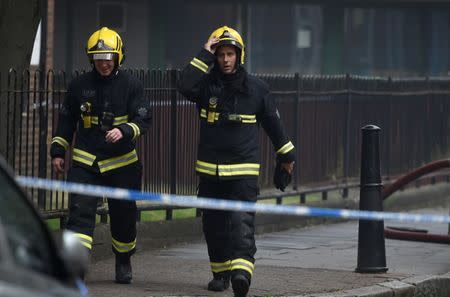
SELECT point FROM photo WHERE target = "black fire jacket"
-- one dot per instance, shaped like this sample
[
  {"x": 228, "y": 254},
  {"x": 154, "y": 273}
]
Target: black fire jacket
[
  {"x": 231, "y": 109},
  {"x": 93, "y": 105}
]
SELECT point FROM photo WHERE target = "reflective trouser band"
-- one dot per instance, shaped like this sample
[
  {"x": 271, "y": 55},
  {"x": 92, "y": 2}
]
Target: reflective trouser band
[
  {"x": 217, "y": 267},
  {"x": 123, "y": 247},
  {"x": 136, "y": 129},
  {"x": 85, "y": 240},
  {"x": 83, "y": 157},
  {"x": 199, "y": 64},
  {"x": 61, "y": 141},
  {"x": 117, "y": 120},
  {"x": 286, "y": 148},
  {"x": 242, "y": 264},
  {"x": 245, "y": 118},
  {"x": 117, "y": 162},
  {"x": 226, "y": 170}
]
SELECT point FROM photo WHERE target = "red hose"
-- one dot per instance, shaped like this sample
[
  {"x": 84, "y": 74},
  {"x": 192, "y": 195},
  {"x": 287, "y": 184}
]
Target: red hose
[
  {"x": 409, "y": 177},
  {"x": 416, "y": 236},
  {"x": 399, "y": 183}
]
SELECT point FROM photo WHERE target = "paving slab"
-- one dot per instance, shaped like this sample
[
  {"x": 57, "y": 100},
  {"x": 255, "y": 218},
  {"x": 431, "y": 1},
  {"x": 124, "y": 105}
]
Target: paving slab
[{"x": 313, "y": 261}]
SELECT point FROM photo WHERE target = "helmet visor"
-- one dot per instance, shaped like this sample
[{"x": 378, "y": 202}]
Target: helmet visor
[
  {"x": 103, "y": 56},
  {"x": 228, "y": 41}
]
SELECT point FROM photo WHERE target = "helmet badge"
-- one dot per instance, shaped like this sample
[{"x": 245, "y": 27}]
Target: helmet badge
[{"x": 101, "y": 44}]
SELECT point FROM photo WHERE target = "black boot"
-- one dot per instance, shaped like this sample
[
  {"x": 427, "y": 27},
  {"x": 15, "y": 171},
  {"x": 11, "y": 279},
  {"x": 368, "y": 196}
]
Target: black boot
[
  {"x": 220, "y": 282},
  {"x": 123, "y": 269},
  {"x": 240, "y": 285}
]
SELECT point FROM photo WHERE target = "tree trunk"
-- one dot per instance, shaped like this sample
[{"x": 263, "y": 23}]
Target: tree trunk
[{"x": 19, "y": 20}]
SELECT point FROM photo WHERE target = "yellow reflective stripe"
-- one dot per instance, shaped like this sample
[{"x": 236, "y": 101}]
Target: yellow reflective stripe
[
  {"x": 61, "y": 141},
  {"x": 227, "y": 169},
  {"x": 246, "y": 118},
  {"x": 243, "y": 268},
  {"x": 243, "y": 264},
  {"x": 136, "y": 129},
  {"x": 286, "y": 148},
  {"x": 239, "y": 169},
  {"x": 206, "y": 164},
  {"x": 203, "y": 114},
  {"x": 117, "y": 162},
  {"x": 120, "y": 120},
  {"x": 218, "y": 264},
  {"x": 123, "y": 247},
  {"x": 94, "y": 120},
  {"x": 199, "y": 64},
  {"x": 206, "y": 168},
  {"x": 220, "y": 267},
  {"x": 84, "y": 236},
  {"x": 84, "y": 240},
  {"x": 88, "y": 245},
  {"x": 83, "y": 157}
]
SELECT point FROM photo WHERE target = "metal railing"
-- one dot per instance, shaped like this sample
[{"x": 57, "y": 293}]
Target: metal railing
[{"x": 322, "y": 114}]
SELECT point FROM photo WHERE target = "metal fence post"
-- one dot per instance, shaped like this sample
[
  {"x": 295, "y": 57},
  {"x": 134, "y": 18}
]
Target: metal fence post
[
  {"x": 43, "y": 126},
  {"x": 347, "y": 129},
  {"x": 371, "y": 248},
  {"x": 296, "y": 129},
  {"x": 173, "y": 137}
]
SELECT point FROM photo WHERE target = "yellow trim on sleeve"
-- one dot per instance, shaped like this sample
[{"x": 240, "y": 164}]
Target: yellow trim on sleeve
[
  {"x": 286, "y": 148},
  {"x": 199, "y": 64},
  {"x": 61, "y": 141}
]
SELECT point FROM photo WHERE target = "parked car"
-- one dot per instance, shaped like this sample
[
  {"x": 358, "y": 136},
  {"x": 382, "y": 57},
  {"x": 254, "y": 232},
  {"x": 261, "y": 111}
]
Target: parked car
[{"x": 31, "y": 264}]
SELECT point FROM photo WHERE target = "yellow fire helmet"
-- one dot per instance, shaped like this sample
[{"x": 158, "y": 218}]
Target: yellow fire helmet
[
  {"x": 229, "y": 36},
  {"x": 105, "y": 44}
]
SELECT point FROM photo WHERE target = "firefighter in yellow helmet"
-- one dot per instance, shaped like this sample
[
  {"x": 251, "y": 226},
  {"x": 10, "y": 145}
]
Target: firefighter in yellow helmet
[
  {"x": 232, "y": 104},
  {"x": 107, "y": 110}
]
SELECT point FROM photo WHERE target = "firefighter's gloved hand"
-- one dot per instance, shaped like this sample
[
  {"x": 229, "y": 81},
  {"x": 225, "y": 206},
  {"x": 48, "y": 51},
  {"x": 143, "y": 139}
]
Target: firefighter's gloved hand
[{"x": 281, "y": 178}]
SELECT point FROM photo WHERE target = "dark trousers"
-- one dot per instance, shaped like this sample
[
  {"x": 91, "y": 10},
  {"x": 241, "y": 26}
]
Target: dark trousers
[
  {"x": 122, "y": 214},
  {"x": 229, "y": 234}
]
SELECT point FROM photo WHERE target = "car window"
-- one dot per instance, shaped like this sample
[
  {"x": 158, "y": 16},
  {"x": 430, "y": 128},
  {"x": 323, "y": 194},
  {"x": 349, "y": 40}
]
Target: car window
[{"x": 27, "y": 237}]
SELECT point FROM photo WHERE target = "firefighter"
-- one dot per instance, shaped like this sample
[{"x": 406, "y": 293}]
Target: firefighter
[
  {"x": 107, "y": 109},
  {"x": 231, "y": 105}
]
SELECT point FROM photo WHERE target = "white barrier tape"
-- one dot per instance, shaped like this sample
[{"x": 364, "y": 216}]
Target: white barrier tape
[{"x": 212, "y": 203}]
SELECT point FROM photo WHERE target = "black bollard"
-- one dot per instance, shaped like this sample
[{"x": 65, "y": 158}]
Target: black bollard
[{"x": 371, "y": 248}]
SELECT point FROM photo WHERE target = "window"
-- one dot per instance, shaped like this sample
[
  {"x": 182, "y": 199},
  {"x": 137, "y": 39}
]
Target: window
[{"x": 112, "y": 15}]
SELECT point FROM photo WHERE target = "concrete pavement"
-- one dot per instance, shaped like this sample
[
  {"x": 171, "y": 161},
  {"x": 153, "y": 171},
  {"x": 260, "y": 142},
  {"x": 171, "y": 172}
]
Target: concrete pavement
[{"x": 311, "y": 261}]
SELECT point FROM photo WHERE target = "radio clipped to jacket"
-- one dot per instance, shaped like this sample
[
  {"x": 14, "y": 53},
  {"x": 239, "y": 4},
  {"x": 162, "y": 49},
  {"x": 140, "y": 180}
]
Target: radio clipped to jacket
[
  {"x": 86, "y": 110},
  {"x": 230, "y": 118},
  {"x": 106, "y": 121}
]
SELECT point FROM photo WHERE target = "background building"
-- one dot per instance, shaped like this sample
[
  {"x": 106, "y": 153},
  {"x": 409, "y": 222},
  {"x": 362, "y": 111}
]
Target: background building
[{"x": 395, "y": 37}]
